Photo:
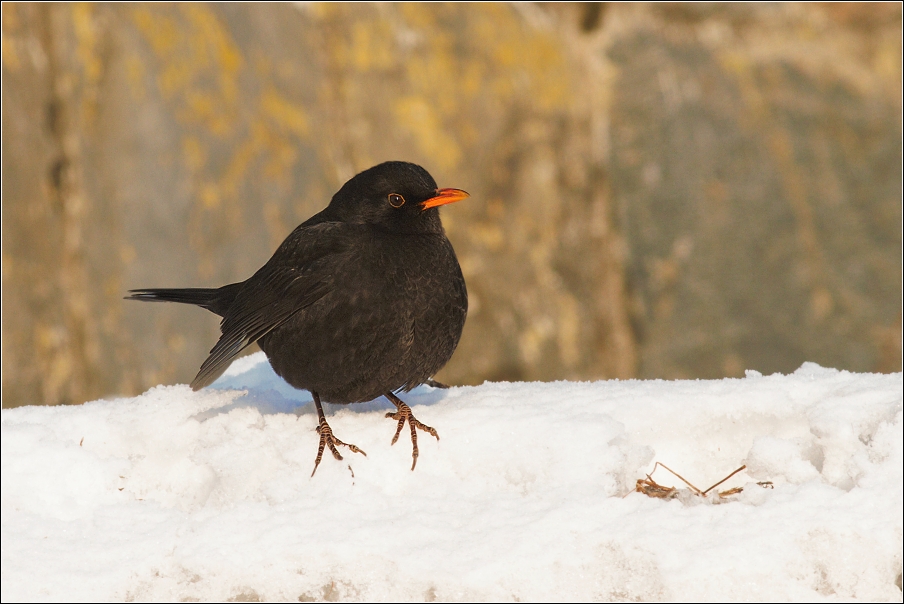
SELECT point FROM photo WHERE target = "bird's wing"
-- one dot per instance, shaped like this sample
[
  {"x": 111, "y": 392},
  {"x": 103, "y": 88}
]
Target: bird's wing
[{"x": 295, "y": 277}]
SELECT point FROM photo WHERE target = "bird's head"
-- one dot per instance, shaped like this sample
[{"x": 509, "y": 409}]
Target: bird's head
[{"x": 397, "y": 196}]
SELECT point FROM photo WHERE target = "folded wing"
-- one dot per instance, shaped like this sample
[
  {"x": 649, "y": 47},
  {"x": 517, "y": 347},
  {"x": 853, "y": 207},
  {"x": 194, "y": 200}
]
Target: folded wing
[{"x": 297, "y": 275}]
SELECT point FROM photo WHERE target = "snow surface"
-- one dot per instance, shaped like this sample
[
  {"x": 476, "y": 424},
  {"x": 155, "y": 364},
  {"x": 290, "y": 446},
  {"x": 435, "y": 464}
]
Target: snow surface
[{"x": 181, "y": 495}]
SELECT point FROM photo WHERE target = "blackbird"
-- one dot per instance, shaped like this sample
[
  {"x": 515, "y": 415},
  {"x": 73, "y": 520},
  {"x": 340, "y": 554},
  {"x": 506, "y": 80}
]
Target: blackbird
[{"x": 365, "y": 298}]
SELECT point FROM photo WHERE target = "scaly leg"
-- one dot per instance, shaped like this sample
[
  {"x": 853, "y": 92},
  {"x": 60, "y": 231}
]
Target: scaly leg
[
  {"x": 326, "y": 437},
  {"x": 404, "y": 414}
]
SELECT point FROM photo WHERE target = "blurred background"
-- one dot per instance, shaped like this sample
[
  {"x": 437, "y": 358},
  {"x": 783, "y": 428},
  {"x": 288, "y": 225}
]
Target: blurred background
[{"x": 658, "y": 191}]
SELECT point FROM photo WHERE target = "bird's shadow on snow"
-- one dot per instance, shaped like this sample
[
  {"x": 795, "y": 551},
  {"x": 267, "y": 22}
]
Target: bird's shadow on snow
[{"x": 269, "y": 394}]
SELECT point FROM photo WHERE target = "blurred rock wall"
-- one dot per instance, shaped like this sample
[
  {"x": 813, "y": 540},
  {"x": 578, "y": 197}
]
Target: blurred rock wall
[{"x": 657, "y": 190}]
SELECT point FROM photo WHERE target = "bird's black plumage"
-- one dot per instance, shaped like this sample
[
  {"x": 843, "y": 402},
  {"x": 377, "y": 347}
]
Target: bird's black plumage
[{"x": 365, "y": 298}]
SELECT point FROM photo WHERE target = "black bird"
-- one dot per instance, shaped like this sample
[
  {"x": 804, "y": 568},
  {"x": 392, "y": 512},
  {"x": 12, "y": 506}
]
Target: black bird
[{"x": 365, "y": 298}]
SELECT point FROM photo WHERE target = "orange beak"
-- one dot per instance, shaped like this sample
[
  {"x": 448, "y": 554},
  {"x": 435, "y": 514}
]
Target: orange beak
[{"x": 444, "y": 196}]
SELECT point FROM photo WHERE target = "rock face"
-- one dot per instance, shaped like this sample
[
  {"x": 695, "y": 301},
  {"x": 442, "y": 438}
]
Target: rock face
[
  {"x": 658, "y": 191},
  {"x": 756, "y": 162}
]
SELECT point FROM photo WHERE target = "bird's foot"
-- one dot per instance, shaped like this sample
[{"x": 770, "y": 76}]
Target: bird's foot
[
  {"x": 402, "y": 415},
  {"x": 328, "y": 440}
]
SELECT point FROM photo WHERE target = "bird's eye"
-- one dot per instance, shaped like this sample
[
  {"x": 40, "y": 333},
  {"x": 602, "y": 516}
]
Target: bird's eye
[{"x": 396, "y": 200}]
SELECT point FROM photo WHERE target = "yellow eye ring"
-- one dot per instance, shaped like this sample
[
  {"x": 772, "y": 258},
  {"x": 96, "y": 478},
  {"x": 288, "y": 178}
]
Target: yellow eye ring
[{"x": 396, "y": 200}]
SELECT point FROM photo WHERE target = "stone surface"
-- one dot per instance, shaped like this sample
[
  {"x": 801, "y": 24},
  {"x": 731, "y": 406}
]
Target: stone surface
[{"x": 658, "y": 190}]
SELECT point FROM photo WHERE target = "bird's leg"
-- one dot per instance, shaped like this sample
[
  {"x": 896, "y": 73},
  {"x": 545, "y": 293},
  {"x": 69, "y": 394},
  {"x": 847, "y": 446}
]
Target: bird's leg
[
  {"x": 404, "y": 414},
  {"x": 326, "y": 437}
]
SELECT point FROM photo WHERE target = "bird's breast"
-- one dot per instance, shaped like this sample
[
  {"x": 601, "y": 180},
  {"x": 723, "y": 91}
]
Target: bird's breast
[{"x": 392, "y": 318}]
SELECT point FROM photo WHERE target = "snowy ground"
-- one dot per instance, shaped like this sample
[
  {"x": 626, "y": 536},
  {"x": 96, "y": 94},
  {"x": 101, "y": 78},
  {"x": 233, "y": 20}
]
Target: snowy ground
[{"x": 175, "y": 495}]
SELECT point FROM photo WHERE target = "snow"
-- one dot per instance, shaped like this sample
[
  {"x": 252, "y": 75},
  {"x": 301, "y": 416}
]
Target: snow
[{"x": 529, "y": 494}]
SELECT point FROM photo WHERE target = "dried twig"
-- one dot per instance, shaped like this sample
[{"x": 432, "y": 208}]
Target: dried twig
[
  {"x": 695, "y": 489},
  {"x": 651, "y": 488},
  {"x": 731, "y": 492},
  {"x": 744, "y": 467}
]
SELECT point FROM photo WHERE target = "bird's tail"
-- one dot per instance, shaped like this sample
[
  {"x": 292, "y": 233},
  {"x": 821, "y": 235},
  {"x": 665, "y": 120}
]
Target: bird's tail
[{"x": 216, "y": 300}]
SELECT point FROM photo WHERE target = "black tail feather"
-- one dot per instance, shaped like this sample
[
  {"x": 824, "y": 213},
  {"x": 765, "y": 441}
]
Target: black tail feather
[{"x": 216, "y": 300}]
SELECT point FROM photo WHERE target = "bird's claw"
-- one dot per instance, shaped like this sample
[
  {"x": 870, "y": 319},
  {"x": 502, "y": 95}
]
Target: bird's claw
[
  {"x": 328, "y": 440},
  {"x": 402, "y": 415}
]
